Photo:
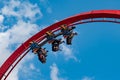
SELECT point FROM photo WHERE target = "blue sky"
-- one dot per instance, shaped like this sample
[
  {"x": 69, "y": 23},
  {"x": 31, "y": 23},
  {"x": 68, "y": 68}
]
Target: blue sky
[{"x": 94, "y": 54}]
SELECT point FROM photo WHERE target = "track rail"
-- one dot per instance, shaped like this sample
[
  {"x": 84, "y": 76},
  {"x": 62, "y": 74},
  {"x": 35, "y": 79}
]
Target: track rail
[{"x": 74, "y": 20}]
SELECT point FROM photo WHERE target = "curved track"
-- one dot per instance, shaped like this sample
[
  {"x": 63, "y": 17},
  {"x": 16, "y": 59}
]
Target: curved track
[{"x": 81, "y": 18}]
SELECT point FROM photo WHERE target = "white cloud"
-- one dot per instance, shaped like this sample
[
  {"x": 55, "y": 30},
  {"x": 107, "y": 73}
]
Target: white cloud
[
  {"x": 8, "y": 9},
  {"x": 19, "y": 32},
  {"x": 4, "y": 51},
  {"x": 68, "y": 53},
  {"x": 29, "y": 70},
  {"x": 46, "y": 4},
  {"x": 54, "y": 74},
  {"x": 30, "y": 11},
  {"x": 12, "y": 36},
  {"x": 88, "y": 78},
  {"x": 27, "y": 29},
  {"x": 1, "y": 18},
  {"x": 22, "y": 10},
  {"x": 32, "y": 67}
]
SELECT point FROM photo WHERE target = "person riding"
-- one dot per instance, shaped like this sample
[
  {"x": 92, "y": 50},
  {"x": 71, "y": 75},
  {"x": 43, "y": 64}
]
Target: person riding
[
  {"x": 43, "y": 51},
  {"x": 68, "y": 33},
  {"x": 65, "y": 30},
  {"x": 55, "y": 44},
  {"x": 36, "y": 49}
]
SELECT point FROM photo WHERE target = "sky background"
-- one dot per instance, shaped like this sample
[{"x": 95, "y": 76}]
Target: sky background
[{"x": 93, "y": 55}]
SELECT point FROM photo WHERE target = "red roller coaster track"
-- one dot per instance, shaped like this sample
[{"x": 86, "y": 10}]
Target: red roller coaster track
[{"x": 86, "y": 17}]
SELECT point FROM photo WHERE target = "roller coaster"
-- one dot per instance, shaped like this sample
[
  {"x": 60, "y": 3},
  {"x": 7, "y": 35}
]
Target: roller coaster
[{"x": 47, "y": 35}]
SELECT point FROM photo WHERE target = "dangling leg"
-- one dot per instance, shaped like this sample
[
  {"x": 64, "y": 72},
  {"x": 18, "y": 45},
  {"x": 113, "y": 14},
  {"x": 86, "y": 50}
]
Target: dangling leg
[
  {"x": 43, "y": 58},
  {"x": 44, "y": 52},
  {"x": 69, "y": 40}
]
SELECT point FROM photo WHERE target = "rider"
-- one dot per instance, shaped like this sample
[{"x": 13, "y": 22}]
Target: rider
[
  {"x": 43, "y": 51},
  {"x": 52, "y": 40},
  {"x": 36, "y": 49},
  {"x": 65, "y": 30},
  {"x": 67, "y": 33}
]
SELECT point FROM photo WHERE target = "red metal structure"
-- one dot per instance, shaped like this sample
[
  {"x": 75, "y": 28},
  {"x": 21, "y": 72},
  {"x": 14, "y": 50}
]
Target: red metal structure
[{"x": 92, "y": 16}]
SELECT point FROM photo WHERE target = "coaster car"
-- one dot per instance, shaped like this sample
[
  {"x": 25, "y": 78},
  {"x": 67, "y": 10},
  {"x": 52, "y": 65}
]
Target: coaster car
[
  {"x": 36, "y": 49},
  {"x": 50, "y": 36},
  {"x": 68, "y": 33},
  {"x": 34, "y": 46}
]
